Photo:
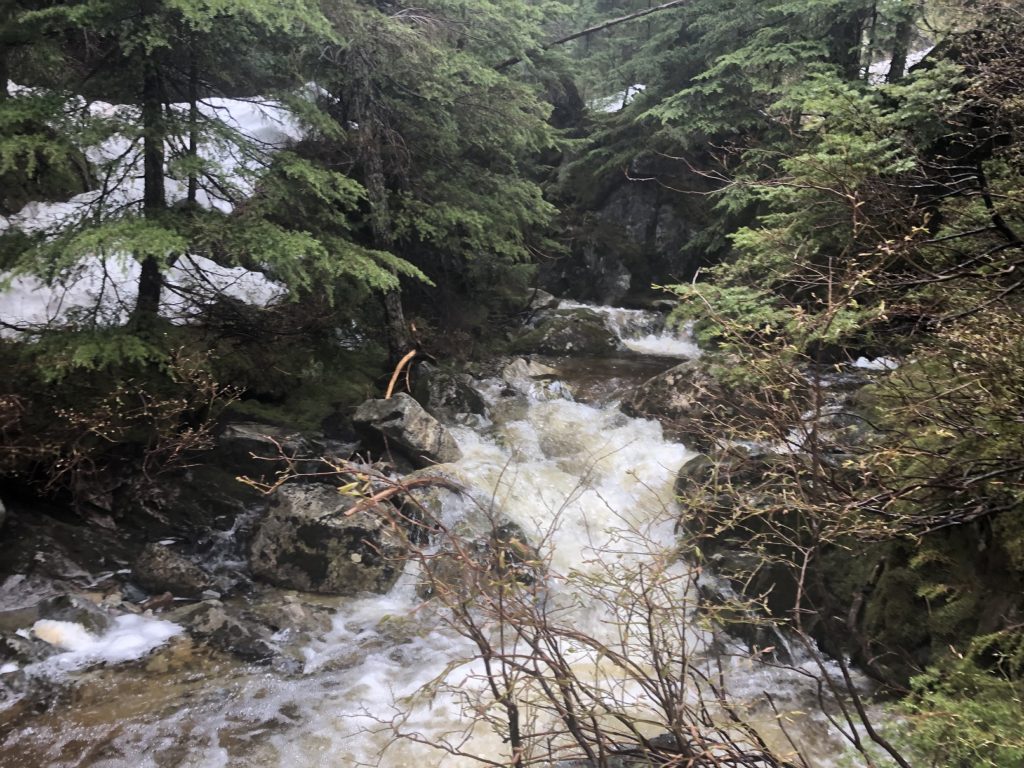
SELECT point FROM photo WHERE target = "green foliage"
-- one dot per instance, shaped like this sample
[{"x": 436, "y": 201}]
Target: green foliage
[{"x": 960, "y": 714}]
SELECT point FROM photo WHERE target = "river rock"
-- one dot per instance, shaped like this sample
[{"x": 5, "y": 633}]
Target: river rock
[
  {"x": 258, "y": 450},
  {"x": 159, "y": 569},
  {"x": 212, "y": 622},
  {"x": 690, "y": 404},
  {"x": 307, "y": 541},
  {"x": 401, "y": 423},
  {"x": 535, "y": 380},
  {"x": 470, "y": 561},
  {"x": 570, "y": 332},
  {"x": 445, "y": 394}
]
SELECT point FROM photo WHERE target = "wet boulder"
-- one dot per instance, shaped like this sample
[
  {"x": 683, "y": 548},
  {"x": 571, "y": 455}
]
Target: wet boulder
[
  {"x": 257, "y": 450},
  {"x": 159, "y": 569},
  {"x": 311, "y": 539},
  {"x": 400, "y": 423},
  {"x": 691, "y": 404},
  {"x": 212, "y": 622},
  {"x": 75, "y": 610},
  {"x": 472, "y": 560},
  {"x": 570, "y": 332},
  {"x": 535, "y": 380},
  {"x": 447, "y": 395}
]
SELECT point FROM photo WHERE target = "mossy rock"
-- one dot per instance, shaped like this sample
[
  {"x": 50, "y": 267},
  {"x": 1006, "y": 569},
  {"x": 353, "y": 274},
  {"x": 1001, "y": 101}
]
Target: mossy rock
[{"x": 570, "y": 332}]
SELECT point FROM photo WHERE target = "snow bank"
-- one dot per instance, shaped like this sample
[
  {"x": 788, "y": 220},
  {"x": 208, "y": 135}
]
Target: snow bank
[{"x": 105, "y": 288}]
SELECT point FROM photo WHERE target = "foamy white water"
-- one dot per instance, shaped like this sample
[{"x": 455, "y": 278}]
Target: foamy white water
[{"x": 643, "y": 331}]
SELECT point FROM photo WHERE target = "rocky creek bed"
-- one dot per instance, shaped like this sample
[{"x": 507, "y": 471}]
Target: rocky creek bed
[{"x": 232, "y": 628}]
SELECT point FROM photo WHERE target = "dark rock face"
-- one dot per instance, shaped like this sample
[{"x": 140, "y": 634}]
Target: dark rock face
[
  {"x": 308, "y": 541},
  {"x": 249, "y": 448},
  {"x": 76, "y": 610},
  {"x": 401, "y": 423},
  {"x": 574, "y": 331},
  {"x": 158, "y": 569}
]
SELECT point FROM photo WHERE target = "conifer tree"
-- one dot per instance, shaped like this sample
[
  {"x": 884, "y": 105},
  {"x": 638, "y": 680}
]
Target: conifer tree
[{"x": 157, "y": 61}]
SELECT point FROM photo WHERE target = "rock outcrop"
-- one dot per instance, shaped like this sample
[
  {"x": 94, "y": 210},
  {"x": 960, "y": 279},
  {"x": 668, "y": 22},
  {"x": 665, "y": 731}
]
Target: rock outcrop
[{"x": 447, "y": 395}]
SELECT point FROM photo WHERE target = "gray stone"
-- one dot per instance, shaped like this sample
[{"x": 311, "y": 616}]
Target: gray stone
[
  {"x": 535, "y": 380},
  {"x": 159, "y": 569},
  {"x": 211, "y": 621},
  {"x": 23, "y": 650},
  {"x": 401, "y": 423},
  {"x": 446, "y": 394},
  {"x": 77, "y": 610},
  {"x": 287, "y": 612},
  {"x": 474, "y": 560},
  {"x": 541, "y": 300},
  {"x": 258, "y": 450},
  {"x": 311, "y": 540}
]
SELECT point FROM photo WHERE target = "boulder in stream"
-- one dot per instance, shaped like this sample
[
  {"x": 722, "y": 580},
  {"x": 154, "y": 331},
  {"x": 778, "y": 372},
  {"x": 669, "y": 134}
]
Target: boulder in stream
[
  {"x": 212, "y": 622},
  {"x": 159, "y": 569},
  {"x": 446, "y": 394},
  {"x": 570, "y": 332},
  {"x": 535, "y": 380},
  {"x": 401, "y": 423},
  {"x": 312, "y": 540}
]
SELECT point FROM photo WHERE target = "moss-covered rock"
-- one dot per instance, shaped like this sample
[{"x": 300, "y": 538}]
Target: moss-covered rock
[{"x": 569, "y": 332}]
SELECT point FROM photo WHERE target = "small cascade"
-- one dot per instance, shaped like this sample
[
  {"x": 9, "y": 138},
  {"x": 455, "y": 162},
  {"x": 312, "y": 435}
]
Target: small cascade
[{"x": 644, "y": 331}]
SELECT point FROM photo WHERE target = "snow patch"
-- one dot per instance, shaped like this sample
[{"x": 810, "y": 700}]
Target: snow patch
[
  {"x": 617, "y": 101},
  {"x": 876, "y": 364},
  {"x": 105, "y": 287}
]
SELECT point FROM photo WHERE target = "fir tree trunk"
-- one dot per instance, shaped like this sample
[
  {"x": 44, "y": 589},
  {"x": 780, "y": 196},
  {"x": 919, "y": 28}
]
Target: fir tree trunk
[
  {"x": 193, "y": 126},
  {"x": 154, "y": 200},
  {"x": 5, "y": 55},
  {"x": 399, "y": 338},
  {"x": 4, "y": 72},
  {"x": 900, "y": 51},
  {"x": 845, "y": 42}
]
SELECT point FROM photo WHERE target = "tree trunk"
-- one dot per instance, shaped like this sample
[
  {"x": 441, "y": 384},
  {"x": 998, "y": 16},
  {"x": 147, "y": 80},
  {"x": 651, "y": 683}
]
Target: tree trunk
[
  {"x": 5, "y": 53},
  {"x": 193, "y": 126},
  {"x": 845, "y": 42},
  {"x": 5, "y": 72},
  {"x": 900, "y": 51},
  {"x": 154, "y": 200},
  {"x": 399, "y": 337}
]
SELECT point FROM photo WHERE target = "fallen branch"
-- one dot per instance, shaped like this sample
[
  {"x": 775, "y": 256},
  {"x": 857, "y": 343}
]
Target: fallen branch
[
  {"x": 590, "y": 30},
  {"x": 398, "y": 370}
]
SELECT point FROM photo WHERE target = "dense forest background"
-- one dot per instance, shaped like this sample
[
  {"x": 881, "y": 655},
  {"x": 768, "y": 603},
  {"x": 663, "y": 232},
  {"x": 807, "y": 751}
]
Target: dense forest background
[{"x": 813, "y": 181}]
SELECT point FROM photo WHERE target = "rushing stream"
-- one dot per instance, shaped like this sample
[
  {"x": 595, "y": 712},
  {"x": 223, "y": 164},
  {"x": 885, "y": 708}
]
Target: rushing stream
[{"x": 593, "y": 487}]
